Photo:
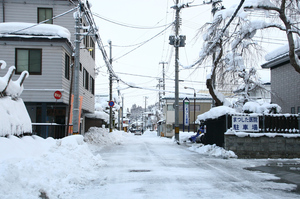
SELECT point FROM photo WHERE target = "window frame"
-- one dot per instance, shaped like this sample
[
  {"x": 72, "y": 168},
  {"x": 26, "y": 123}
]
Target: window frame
[
  {"x": 67, "y": 66},
  {"x": 30, "y": 50},
  {"x": 38, "y": 15},
  {"x": 85, "y": 79}
]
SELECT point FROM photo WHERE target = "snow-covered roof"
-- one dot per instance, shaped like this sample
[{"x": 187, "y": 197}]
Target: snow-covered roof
[
  {"x": 31, "y": 30},
  {"x": 279, "y": 55},
  {"x": 216, "y": 112}
]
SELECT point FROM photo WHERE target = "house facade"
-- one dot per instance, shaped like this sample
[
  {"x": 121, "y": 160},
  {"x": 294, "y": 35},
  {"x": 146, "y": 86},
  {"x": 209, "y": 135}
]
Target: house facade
[
  {"x": 48, "y": 57},
  {"x": 285, "y": 81},
  {"x": 203, "y": 104}
]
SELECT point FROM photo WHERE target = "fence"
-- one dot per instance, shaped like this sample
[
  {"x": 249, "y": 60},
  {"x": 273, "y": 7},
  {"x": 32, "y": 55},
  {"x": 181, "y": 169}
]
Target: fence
[
  {"x": 281, "y": 123},
  {"x": 49, "y": 130}
]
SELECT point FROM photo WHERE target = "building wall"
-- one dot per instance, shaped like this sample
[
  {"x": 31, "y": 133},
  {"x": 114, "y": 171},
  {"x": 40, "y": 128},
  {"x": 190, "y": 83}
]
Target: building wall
[
  {"x": 285, "y": 87},
  {"x": 53, "y": 57},
  {"x": 205, "y": 105},
  {"x": 40, "y": 88}
]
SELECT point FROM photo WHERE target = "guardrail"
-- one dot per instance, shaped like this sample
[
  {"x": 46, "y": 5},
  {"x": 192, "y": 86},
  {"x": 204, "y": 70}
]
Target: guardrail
[{"x": 49, "y": 130}]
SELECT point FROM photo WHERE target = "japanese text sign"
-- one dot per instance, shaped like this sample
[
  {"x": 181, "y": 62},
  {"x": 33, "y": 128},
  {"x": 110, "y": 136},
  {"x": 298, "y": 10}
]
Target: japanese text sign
[{"x": 245, "y": 123}]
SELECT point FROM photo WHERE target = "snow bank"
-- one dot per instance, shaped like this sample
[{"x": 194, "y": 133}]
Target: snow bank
[
  {"x": 216, "y": 112},
  {"x": 28, "y": 30},
  {"x": 14, "y": 119},
  {"x": 32, "y": 166},
  {"x": 101, "y": 136},
  {"x": 212, "y": 150}
]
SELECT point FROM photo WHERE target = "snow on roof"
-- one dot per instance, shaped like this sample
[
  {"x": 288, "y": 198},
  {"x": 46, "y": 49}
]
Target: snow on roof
[
  {"x": 216, "y": 112},
  {"x": 281, "y": 51},
  {"x": 29, "y": 30}
]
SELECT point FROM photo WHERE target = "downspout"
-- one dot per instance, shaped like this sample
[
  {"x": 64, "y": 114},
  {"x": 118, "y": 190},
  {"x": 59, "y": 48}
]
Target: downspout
[{"x": 3, "y": 10}]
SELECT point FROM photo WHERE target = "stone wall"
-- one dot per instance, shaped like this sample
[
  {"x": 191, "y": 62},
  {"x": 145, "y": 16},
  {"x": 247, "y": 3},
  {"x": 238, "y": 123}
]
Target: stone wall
[{"x": 254, "y": 145}]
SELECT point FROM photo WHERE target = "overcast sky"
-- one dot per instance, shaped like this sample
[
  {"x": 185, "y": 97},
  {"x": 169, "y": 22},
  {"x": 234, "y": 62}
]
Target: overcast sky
[{"x": 141, "y": 66}]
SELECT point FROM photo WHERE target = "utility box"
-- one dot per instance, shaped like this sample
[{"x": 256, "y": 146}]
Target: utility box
[{"x": 169, "y": 132}]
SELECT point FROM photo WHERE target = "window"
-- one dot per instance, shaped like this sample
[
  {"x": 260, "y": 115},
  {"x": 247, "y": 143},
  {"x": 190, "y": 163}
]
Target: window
[
  {"x": 293, "y": 110},
  {"x": 30, "y": 60},
  {"x": 44, "y": 14},
  {"x": 85, "y": 79},
  {"x": 170, "y": 107},
  {"x": 67, "y": 66},
  {"x": 92, "y": 85}
]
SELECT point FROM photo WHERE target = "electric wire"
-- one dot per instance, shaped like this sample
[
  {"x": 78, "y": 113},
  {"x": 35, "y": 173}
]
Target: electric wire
[
  {"x": 127, "y": 25},
  {"x": 143, "y": 43},
  {"x": 42, "y": 22}
]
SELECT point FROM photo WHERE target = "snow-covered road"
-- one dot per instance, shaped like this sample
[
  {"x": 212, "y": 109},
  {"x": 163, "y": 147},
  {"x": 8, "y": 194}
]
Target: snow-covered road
[
  {"x": 151, "y": 167},
  {"x": 120, "y": 165}
]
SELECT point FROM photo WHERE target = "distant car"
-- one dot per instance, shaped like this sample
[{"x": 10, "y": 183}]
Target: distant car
[{"x": 138, "y": 132}]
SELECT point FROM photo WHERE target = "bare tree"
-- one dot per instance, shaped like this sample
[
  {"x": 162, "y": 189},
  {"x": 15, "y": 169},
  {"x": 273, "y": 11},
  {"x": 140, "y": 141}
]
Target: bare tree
[{"x": 228, "y": 40}]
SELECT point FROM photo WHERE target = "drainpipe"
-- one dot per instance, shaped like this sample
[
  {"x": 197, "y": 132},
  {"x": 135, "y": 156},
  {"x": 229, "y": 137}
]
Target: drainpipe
[{"x": 3, "y": 11}]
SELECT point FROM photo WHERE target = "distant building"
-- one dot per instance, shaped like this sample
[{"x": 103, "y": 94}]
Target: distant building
[
  {"x": 203, "y": 104},
  {"x": 48, "y": 58},
  {"x": 285, "y": 81}
]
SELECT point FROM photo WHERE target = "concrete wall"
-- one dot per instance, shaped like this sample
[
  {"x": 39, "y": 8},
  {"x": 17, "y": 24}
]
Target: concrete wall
[{"x": 263, "y": 146}]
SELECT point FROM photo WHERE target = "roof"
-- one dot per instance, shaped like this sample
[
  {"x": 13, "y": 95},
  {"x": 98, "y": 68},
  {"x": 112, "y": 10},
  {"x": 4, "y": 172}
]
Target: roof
[
  {"x": 280, "y": 56},
  {"x": 32, "y": 30}
]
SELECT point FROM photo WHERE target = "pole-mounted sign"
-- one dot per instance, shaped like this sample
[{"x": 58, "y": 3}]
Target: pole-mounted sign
[
  {"x": 111, "y": 103},
  {"x": 57, "y": 95}
]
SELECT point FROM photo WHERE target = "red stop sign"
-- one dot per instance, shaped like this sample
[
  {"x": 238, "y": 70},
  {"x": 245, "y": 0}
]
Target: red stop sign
[{"x": 57, "y": 95}]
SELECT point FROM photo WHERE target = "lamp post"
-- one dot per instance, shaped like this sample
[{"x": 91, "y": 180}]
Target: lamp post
[{"x": 194, "y": 106}]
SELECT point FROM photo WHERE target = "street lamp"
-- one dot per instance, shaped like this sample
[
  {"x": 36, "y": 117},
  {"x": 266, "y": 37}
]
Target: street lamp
[{"x": 194, "y": 106}]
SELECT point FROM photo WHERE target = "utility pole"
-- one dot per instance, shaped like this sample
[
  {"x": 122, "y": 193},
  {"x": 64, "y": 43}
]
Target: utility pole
[
  {"x": 76, "y": 73},
  {"x": 177, "y": 41},
  {"x": 164, "y": 85},
  {"x": 122, "y": 111},
  {"x": 110, "y": 89},
  {"x": 145, "y": 111},
  {"x": 159, "y": 94},
  {"x": 119, "y": 111}
]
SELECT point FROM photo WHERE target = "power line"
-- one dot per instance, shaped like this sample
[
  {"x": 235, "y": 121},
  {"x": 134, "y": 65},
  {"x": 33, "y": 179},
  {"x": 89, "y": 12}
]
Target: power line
[
  {"x": 144, "y": 42},
  {"x": 42, "y": 22},
  {"x": 127, "y": 25}
]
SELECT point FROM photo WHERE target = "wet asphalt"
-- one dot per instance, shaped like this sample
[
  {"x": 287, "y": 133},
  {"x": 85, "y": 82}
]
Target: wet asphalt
[{"x": 287, "y": 170}]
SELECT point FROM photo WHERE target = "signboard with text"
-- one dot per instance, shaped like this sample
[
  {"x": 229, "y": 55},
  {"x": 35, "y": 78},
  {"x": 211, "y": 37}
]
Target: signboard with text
[
  {"x": 245, "y": 123},
  {"x": 186, "y": 112}
]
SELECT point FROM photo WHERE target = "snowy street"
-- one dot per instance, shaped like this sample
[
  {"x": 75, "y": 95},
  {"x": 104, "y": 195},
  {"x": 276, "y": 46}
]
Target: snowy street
[
  {"x": 151, "y": 167},
  {"x": 122, "y": 165}
]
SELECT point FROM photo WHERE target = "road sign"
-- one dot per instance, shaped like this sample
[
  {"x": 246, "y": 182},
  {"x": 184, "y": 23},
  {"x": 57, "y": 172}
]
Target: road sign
[
  {"x": 57, "y": 95},
  {"x": 111, "y": 103}
]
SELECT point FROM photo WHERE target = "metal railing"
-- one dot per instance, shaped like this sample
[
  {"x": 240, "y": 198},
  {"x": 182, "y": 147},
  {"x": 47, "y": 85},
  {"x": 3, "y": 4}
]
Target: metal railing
[{"x": 49, "y": 130}]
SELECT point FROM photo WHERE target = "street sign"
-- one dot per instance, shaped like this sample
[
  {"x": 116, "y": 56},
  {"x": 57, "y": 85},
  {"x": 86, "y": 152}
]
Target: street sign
[
  {"x": 111, "y": 103},
  {"x": 57, "y": 95},
  {"x": 245, "y": 123}
]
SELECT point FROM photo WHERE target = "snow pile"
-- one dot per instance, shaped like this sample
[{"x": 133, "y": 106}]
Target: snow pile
[
  {"x": 264, "y": 108},
  {"x": 216, "y": 112},
  {"x": 35, "y": 167},
  {"x": 101, "y": 137},
  {"x": 28, "y": 30},
  {"x": 14, "y": 119},
  {"x": 212, "y": 150}
]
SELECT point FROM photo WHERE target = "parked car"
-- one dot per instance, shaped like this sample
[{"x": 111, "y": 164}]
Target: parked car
[{"x": 138, "y": 132}]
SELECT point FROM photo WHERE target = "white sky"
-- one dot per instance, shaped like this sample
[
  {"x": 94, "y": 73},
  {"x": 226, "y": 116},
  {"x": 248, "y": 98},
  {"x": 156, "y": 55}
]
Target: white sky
[{"x": 145, "y": 60}]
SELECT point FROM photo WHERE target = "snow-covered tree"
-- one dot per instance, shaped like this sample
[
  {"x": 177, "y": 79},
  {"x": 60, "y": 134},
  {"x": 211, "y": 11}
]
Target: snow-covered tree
[{"x": 228, "y": 40}]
